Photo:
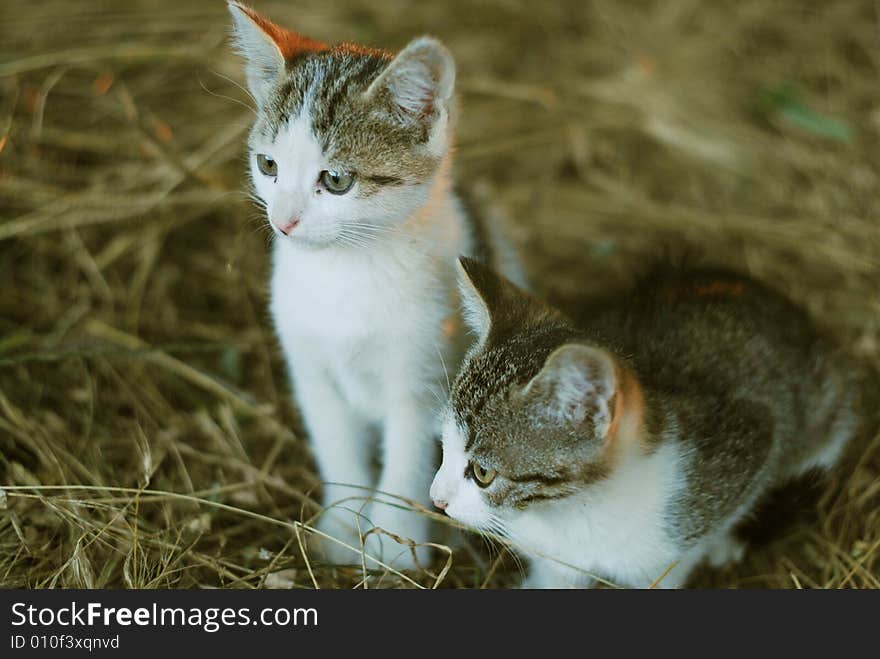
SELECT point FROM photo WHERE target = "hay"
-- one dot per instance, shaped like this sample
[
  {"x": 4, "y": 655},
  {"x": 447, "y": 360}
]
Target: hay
[{"x": 143, "y": 404}]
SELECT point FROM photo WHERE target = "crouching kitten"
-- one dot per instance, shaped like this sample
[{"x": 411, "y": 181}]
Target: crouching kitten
[
  {"x": 350, "y": 154},
  {"x": 630, "y": 451}
]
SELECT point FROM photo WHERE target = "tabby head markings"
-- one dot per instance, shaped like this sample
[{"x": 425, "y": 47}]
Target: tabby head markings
[
  {"x": 532, "y": 414},
  {"x": 347, "y": 140}
]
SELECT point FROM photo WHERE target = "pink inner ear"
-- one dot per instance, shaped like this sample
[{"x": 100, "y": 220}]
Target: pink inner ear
[
  {"x": 290, "y": 44},
  {"x": 418, "y": 107},
  {"x": 427, "y": 102}
]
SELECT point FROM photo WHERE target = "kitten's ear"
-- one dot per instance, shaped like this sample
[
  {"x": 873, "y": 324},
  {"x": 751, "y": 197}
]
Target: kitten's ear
[
  {"x": 474, "y": 309},
  {"x": 575, "y": 386},
  {"x": 266, "y": 47},
  {"x": 485, "y": 296},
  {"x": 418, "y": 84}
]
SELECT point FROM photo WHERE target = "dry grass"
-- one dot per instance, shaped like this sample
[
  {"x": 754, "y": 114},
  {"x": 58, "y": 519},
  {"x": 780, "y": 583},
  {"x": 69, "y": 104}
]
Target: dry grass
[{"x": 143, "y": 404}]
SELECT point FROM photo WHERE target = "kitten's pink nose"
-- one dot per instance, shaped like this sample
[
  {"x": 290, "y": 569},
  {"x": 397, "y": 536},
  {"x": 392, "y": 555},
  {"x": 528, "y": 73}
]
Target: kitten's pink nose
[
  {"x": 438, "y": 503},
  {"x": 287, "y": 226}
]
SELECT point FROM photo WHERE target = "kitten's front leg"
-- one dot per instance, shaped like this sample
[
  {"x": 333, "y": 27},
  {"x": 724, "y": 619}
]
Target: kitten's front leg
[
  {"x": 339, "y": 439},
  {"x": 408, "y": 451},
  {"x": 546, "y": 573}
]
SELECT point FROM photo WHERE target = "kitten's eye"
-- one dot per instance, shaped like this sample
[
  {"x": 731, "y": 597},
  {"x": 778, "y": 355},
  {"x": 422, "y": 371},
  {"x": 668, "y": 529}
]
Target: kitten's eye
[
  {"x": 483, "y": 477},
  {"x": 337, "y": 182},
  {"x": 266, "y": 165}
]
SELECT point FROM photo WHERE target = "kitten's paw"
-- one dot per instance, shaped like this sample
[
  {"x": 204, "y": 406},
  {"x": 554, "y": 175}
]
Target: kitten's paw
[
  {"x": 726, "y": 549},
  {"x": 540, "y": 582},
  {"x": 341, "y": 526},
  {"x": 546, "y": 574},
  {"x": 399, "y": 543},
  {"x": 535, "y": 581},
  {"x": 398, "y": 555}
]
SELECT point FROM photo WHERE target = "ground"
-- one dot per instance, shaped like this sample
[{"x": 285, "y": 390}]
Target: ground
[{"x": 143, "y": 401}]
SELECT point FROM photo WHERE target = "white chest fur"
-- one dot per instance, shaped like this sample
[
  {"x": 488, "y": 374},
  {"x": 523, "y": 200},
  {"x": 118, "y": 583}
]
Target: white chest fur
[
  {"x": 363, "y": 274},
  {"x": 363, "y": 334},
  {"x": 618, "y": 531},
  {"x": 366, "y": 316}
]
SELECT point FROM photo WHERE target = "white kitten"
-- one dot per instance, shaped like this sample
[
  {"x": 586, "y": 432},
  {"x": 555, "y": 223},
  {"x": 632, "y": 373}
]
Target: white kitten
[{"x": 350, "y": 152}]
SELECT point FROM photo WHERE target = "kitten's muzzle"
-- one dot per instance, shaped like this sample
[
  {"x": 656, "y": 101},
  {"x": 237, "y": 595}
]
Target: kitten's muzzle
[
  {"x": 286, "y": 226},
  {"x": 439, "y": 503}
]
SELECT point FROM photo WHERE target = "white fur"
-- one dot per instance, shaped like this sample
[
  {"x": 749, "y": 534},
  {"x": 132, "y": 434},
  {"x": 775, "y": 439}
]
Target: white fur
[
  {"x": 615, "y": 530},
  {"x": 361, "y": 292},
  {"x": 361, "y": 325},
  {"x": 463, "y": 498},
  {"x": 326, "y": 218},
  {"x": 263, "y": 60}
]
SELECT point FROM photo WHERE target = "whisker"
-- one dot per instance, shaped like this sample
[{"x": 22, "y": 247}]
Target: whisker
[
  {"x": 443, "y": 364},
  {"x": 350, "y": 241},
  {"x": 235, "y": 84},
  {"x": 505, "y": 534},
  {"x": 364, "y": 236},
  {"x": 228, "y": 98},
  {"x": 353, "y": 239}
]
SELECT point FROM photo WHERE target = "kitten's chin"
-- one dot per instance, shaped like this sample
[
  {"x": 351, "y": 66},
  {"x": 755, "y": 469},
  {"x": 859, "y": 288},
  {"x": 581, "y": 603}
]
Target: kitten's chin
[
  {"x": 308, "y": 243},
  {"x": 474, "y": 521}
]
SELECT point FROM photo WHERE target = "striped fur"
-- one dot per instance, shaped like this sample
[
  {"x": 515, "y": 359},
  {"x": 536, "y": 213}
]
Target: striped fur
[{"x": 721, "y": 391}]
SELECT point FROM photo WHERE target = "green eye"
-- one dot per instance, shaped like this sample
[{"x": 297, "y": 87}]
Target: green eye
[
  {"x": 266, "y": 165},
  {"x": 337, "y": 182},
  {"x": 482, "y": 476}
]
